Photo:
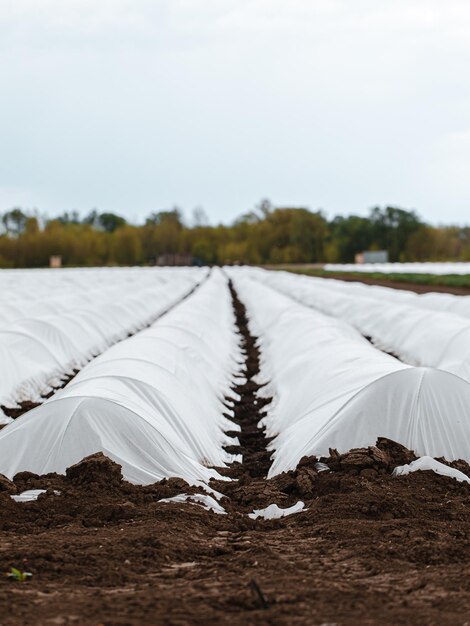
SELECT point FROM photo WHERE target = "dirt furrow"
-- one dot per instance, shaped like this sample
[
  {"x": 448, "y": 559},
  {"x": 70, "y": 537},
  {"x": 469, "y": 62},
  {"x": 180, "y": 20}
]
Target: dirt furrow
[{"x": 248, "y": 409}]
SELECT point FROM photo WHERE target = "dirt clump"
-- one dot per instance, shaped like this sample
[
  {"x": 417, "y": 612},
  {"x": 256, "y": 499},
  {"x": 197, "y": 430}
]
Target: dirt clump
[
  {"x": 383, "y": 457},
  {"x": 97, "y": 470},
  {"x": 460, "y": 465},
  {"x": 6, "y": 485},
  {"x": 396, "y": 452},
  {"x": 358, "y": 460}
]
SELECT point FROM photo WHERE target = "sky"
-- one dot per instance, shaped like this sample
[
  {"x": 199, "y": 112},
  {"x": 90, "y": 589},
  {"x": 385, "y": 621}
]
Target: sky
[{"x": 134, "y": 106}]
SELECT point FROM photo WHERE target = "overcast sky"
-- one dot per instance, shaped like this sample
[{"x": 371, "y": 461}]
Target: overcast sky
[{"x": 137, "y": 105}]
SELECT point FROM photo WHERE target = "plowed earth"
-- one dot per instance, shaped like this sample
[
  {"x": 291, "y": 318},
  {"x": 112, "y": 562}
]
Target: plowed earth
[{"x": 369, "y": 549}]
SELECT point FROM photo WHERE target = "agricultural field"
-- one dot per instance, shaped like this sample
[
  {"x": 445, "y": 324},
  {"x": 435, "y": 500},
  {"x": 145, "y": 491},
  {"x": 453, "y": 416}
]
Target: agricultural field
[
  {"x": 451, "y": 278},
  {"x": 232, "y": 446},
  {"x": 436, "y": 269}
]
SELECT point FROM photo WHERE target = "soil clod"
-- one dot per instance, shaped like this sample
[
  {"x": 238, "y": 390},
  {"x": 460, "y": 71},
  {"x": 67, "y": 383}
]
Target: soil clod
[{"x": 96, "y": 470}]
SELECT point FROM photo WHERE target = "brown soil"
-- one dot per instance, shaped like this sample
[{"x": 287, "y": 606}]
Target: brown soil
[
  {"x": 248, "y": 410},
  {"x": 370, "y": 549}
]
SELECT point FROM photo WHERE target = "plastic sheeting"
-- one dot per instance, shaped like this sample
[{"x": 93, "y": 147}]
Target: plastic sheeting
[
  {"x": 33, "y": 293},
  {"x": 331, "y": 388},
  {"x": 153, "y": 403},
  {"x": 207, "y": 502},
  {"x": 417, "y": 335},
  {"x": 28, "y": 496},
  {"x": 427, "y": 463},
  {"x": 402, "y": 268},
  {"x": 53, "y": 337},
  {"x": 273, "y": 511},
  {"x": 444, "y": 302}
]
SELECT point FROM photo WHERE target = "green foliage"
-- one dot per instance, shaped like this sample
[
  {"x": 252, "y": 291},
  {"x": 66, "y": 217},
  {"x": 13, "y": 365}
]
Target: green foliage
[
  {"x": 172, "y": 217},
  {"x": 14, "y": 221},
  {"x": 111, "y": 222},
  {"x": 385, "y": 229},
  {"x": 264, "y": 235},
  {"x": 17, "y": 575}
]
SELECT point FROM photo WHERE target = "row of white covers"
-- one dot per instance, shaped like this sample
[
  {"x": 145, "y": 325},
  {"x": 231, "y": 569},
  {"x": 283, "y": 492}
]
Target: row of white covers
[
  {"x": 36, "y": 352},
  {"x": 445, "y": 302},
  {"x": 35, "y": 293},
  {"x": 332, "y": 389},
  {"x": 153, "y": 403},
  {"x": 401, "y": 268},
  {"x": 416, "y": 335}
]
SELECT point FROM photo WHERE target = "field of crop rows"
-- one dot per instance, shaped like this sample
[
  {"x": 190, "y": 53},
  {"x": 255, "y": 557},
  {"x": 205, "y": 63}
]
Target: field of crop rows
[
  {"x": 232, "y": 446},
  {"x": 402, "y": 268}
]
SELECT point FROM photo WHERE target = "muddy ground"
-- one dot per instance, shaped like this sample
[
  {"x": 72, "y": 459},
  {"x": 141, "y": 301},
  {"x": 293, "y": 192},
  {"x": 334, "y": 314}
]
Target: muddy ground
[{"x": 369, "y": 549}]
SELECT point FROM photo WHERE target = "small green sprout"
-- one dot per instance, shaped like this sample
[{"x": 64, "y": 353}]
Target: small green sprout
[{"x": 18, "y": 575}]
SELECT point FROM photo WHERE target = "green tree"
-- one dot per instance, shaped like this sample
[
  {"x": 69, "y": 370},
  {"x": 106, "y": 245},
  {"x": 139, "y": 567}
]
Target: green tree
[
  {"x": 391, "y": 228},
  {"x": 110, "y": 222},
  {"x": 14, "y": 221}
]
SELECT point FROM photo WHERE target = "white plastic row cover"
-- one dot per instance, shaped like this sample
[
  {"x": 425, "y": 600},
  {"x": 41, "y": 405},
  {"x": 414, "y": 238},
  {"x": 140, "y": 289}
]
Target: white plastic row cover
[
  {"x": 153, "y": 403},
  {"x": 444, "y": 302},
  {"x": 35, "y": 352},
  {"x": 34, "y": 293},
  {"x": 332, "y": 389},
  {"x": 402, "y": 268},
  {"x": 396, "y": 321}
]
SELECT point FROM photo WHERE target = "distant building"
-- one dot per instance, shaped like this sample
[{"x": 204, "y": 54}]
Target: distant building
[
  {"x": 174, "y": 259},
  {"x": 372, "y": 256},
  {"x": 55, "y": 261}
]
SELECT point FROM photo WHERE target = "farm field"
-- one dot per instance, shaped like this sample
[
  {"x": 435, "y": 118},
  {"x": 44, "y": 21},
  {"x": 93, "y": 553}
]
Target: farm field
[
  {"x": 232, "y": 446},
  {"x": 436, "y": 269},
  {"x": 52, "y": 324},
  {"x": 398, "y": 278}
]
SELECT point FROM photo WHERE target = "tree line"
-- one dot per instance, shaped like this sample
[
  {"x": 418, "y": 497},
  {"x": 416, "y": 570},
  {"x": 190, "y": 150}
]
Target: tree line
[{"x": 265, "y": 235}]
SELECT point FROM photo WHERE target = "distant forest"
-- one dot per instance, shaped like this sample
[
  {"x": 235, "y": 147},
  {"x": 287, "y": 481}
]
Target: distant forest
[{"x": 266, "y": 235}]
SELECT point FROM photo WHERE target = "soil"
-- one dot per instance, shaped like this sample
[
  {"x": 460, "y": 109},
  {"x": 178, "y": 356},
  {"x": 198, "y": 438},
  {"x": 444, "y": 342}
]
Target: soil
[
  {"x": 248, "y": 409},
  {"x": 370, "y": 549}
]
